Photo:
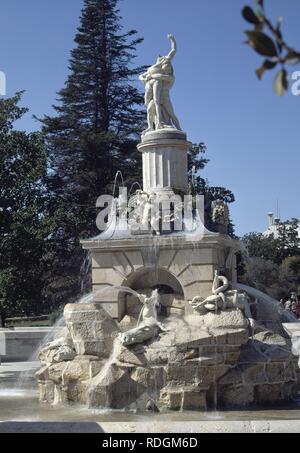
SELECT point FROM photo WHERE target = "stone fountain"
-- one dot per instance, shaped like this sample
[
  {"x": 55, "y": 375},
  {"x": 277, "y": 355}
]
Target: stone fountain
[{"x": 169, "y": 326}]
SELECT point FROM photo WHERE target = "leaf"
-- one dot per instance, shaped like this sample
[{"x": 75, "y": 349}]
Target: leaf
[
  {"x": 270, "y": 64},
  {"x": 279, "y": 38},
  {"x": 292, "y": 57},
  {"x": 267, "y": 65},
  {"x": 281, "y": 84},
  {"x": 250, "y": 16},
  {"x": 260, "y": 3},
  {"x": 261, "y": 43},
  {"x": 260, "y": 26}
]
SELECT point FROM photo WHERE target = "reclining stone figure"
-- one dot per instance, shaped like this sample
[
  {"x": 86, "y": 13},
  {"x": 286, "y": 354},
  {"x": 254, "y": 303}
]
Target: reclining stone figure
[
  {"x": 147, "y": 326},
  {"x": 59, "y": 350},
  {"x": 222, "y": 298}
]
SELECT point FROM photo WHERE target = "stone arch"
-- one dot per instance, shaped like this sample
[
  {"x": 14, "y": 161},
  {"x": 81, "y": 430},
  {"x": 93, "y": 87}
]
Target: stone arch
[{"x": 150, "y": 278}]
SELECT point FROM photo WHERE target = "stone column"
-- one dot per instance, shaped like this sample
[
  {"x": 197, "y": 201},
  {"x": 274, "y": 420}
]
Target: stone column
[{"x": 165, "y": 161}]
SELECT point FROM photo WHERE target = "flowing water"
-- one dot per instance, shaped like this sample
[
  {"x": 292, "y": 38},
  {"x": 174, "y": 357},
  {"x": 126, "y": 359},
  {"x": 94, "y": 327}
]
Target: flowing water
[
  {"x": 18, "y": 405},
  {"x": 25, "y": 378},
  {"x": 19, "y": 396}
]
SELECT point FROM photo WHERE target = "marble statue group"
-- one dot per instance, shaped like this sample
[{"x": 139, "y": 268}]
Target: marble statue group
[{"x": 158, "y": 81}]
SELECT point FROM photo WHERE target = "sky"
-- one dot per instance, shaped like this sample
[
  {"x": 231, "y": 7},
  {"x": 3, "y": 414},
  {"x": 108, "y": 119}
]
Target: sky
[{"x": 252, "y": 136}]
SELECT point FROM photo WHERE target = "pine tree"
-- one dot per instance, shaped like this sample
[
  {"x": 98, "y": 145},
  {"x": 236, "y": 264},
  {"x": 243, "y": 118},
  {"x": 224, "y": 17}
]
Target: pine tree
[
  {"x": 23, "y": 226},
  {"x": 92, "y": 135}
]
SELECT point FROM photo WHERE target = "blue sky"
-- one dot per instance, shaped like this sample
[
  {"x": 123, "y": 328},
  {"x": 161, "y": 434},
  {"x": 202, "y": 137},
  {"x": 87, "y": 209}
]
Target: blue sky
[{"x": 252, "y": 135}]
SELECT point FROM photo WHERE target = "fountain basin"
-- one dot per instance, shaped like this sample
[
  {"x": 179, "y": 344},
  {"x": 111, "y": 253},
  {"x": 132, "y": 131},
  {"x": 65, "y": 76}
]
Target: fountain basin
[
  {"x": 19, "y": 344},
  {"x": 200, "y": 362}
]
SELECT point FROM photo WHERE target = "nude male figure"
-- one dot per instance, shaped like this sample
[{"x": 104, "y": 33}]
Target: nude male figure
[{"x": 158, "y": 81}]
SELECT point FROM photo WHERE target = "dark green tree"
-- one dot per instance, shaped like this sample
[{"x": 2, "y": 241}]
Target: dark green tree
[
  {"x": 288, "y": 240},
  {"x": 272, "y": 264},
  {"x": 198, "y": 185},
  {"x": 23, "y": 227},
  {"x": 93, "y": 134},
  {"x": 290, "y": 272},
  {"x": 259, "y": 246}
]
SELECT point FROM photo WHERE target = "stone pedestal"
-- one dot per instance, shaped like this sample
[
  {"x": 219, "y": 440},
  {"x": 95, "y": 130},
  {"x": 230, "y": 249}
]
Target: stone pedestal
[
  {"x": 184, "y": 265},
  {"x": 165, "y": 163}
]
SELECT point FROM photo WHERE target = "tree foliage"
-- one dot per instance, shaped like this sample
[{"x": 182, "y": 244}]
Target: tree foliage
[
  {"x": 50, "y": 181},
  {"x": 92, "y": 135},
  {"x": 272, "y": 264},
  {"x": 199, "y": 185},
  {"x": 267, "y": 40},
  {"x": 23, "y": 227}
]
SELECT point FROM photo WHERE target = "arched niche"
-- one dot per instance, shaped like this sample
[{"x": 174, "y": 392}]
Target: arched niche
[{"x": 146, "y": 280}]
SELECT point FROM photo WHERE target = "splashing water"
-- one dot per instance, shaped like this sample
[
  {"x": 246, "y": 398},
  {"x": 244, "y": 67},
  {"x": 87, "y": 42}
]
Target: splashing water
[
  {"x": 118, "y": 175},
  {"x": 25, "y": 378},
  {"x": 133, "y": 185}
]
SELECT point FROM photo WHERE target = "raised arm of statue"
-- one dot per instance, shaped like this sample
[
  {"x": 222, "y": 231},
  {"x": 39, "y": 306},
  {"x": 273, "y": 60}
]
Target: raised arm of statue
[{"x": 173, "y": 51}]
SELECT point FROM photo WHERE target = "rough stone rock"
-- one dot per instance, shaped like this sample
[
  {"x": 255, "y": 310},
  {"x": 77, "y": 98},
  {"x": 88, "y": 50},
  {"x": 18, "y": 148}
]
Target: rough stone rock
[
  {"x": 231, "y": 358},
  {"x": 187, "y": 374},
  {"x": 70, "y": 371},
  {"x": 157, "y": 356},
  {"x": 183, "y": 398},
  {"x": 189, "y": 354},
  {"x": 233, "y": 376},
  {"x": 278, "y": 354},
  {"x": 200, "y": 359},
  {"x": 268, "y": 393},
  {"x": 235, "y": 396},
  {"x": 209, "y": 359},
  {"x": 213, "y": 349},
  {"x": 237, "y": 337},
  {"x": 195, "y": 373},
  {"x": 220, "y": 336},
  {"x": 42, "y": 374},
  {"x": 149, "y": 377},
  {"x": 226, "y": 319},
  {"x": 55, "y": 372},
  {"x": 191, "y": 337},
  {"x": 194, "y": 400},
  {"x": 165, "y": 339},
  {"x": 290, "y": 389},
  {"x": 251, "y": 353},
  {"x": 134, "y": 310},
  {"x": 92, "y": 329},
  {"x": 270, "y": 338},
  {"x": 256, "y": 351},
  {"x": 62, "y": 353},
  {"x": 113, "y": 388},
  {"x": 134, "y": 356},
  {"x": 127, "y": 323},
  {"x": 175, "y": 311},
  {"x": 171, "y": 399},
  {"x": 46, "y": 390},
  {"x": 76, "y": 392},
  {"x": 47, "y": 357},
  {"x": 254, "y": 373},
  {"x": 212, "y": 374},
  {"x": 174, "y": 306},
  {"x": 280, "y": 372},
  {"x": 91, "y": 364}
]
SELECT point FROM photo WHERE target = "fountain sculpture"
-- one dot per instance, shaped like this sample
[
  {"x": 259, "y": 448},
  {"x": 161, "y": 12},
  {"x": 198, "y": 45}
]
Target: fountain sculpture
[{"x": 187, "y": 337}]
